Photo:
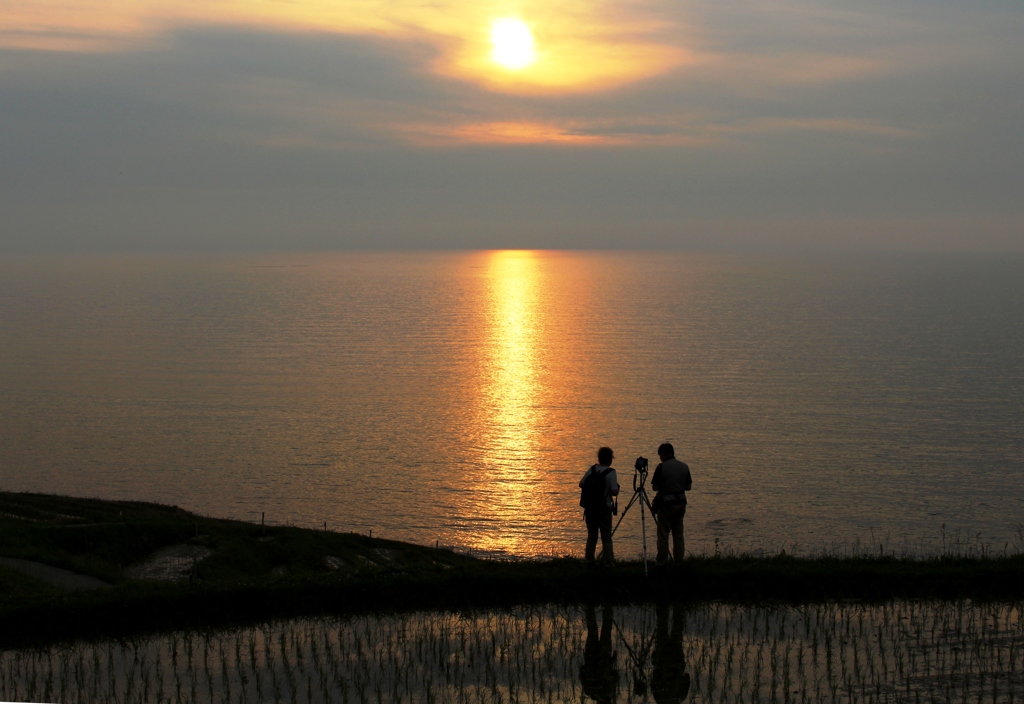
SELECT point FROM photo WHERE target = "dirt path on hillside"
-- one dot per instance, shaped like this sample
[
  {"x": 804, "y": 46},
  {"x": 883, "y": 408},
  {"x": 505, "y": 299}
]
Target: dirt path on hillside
[{"x": 54, "y": 576}]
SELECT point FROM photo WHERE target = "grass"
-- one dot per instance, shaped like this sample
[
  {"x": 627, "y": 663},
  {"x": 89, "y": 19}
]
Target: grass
[
  {"x": 256, "y": 573},
  {"x": 102, "y": 538}
]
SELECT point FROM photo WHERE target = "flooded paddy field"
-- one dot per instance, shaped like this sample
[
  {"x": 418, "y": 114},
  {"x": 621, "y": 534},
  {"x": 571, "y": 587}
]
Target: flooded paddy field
[{"x": 893, "y": 652}]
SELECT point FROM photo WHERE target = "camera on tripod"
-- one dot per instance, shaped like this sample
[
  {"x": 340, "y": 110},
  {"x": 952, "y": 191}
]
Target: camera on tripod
[{"x": 639, "y": 495}]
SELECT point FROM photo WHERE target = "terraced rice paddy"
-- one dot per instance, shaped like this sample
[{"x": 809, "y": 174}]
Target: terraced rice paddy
[{"x": 896, "y": 652}]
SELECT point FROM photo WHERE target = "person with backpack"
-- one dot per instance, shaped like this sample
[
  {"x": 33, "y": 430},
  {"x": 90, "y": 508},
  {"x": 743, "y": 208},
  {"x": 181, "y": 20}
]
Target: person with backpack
[{"x": 599, "y": 487}]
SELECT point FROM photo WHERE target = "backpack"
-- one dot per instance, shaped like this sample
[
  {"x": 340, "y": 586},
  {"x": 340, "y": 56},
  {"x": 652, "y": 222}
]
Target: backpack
[{"x": 592, "y": 497}]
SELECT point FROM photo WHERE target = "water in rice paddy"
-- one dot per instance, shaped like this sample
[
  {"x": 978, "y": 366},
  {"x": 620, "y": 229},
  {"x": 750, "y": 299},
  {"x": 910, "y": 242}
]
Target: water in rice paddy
[{"x": 665, "y": 654}]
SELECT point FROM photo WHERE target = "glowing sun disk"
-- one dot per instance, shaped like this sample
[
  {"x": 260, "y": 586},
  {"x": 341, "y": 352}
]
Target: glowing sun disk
[{"x": 513, "y": 43}]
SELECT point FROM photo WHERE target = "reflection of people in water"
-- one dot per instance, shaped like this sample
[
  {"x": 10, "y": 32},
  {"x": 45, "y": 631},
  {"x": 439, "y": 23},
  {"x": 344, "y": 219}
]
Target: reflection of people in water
[
  {"x": 670, "y": 682},
  {"x": 598, "y": 676}
]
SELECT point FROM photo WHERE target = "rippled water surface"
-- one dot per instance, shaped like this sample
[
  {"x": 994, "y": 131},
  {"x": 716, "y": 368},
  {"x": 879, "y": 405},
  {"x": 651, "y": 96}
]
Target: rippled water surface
[
  {"x": 458, "y": 397},
  {"x": 899, "y": 652}
]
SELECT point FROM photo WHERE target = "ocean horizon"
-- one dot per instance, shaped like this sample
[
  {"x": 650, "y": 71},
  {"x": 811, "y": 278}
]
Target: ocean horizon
[{"x": 829, "y": 403}]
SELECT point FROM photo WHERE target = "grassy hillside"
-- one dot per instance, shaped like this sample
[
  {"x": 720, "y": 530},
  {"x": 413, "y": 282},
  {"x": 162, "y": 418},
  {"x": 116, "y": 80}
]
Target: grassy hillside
[
  {"x": 104, "y": 539},
  {"x": 234, "y": 572}
]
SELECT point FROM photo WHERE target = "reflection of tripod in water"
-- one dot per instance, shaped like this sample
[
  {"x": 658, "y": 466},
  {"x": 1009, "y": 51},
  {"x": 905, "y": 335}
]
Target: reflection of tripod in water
[
  {"x": 638, "y": 658},
  {"x": 639, "y": 494},
  {"x": 669, "y": 680}
]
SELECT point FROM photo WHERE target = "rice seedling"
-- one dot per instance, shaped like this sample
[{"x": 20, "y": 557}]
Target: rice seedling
[{"x": 894, "y": 652}]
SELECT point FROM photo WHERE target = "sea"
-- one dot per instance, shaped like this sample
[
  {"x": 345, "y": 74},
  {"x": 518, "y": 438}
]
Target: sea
[{"x": 840, "y": 404}]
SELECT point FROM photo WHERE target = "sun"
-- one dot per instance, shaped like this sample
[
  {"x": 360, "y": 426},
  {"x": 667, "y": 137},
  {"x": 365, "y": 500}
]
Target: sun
[{"x": 513, "y": 44}]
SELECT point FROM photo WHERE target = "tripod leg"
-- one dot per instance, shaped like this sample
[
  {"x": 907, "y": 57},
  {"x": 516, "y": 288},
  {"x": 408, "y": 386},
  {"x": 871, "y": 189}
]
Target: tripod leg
[
  {"x": 643, "y": 527},
  {"x": 650, "y": 507},
  {"x": 623, "y": 514}
]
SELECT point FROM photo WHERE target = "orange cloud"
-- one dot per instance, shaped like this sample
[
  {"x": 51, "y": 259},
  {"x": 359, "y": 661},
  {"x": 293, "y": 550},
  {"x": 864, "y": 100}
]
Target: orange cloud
[
  {"x": 505, "y": 132},
  {"x": 581, "y": 45},
  {"x": 688, "y": 131}
]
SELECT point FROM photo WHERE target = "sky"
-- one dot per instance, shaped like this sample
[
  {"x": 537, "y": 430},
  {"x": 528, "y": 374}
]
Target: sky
[{"x": 252, "y": 125}]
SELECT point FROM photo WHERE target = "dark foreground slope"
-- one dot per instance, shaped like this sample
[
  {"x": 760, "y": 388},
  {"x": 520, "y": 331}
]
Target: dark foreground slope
[{"x": 167, "y": 568}]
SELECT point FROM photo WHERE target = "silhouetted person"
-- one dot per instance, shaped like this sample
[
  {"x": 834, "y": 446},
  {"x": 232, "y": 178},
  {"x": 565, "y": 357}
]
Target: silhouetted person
[
  {"x": 598, "y": 676},
  {"x": 671, "y": 480},
  {"x": 670, "y": 682},
  {"x": 600, "y": 486}
]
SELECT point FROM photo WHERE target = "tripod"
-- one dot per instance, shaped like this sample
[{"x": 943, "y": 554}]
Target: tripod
[{"x": 639, "y": 494}]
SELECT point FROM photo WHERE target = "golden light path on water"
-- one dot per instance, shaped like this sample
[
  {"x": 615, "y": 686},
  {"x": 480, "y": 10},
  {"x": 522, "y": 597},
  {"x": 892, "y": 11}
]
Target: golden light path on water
[
  {"x": 511, "y": 385},
  {"x": 456, "y": 398}
]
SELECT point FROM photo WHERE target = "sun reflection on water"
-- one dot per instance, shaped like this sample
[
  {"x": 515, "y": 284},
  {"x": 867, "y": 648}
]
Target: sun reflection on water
[
  {"x": 513, "y": 278},
  {"x": 511, "y": 388}
]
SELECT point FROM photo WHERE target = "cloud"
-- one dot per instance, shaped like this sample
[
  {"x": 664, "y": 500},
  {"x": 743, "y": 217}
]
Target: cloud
[
  {"x": 582, "y": 45},
  {"x": 221, "y": 131},
  {"x": 697, "y": 131},
  {"x": 505, "y": 133}
]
